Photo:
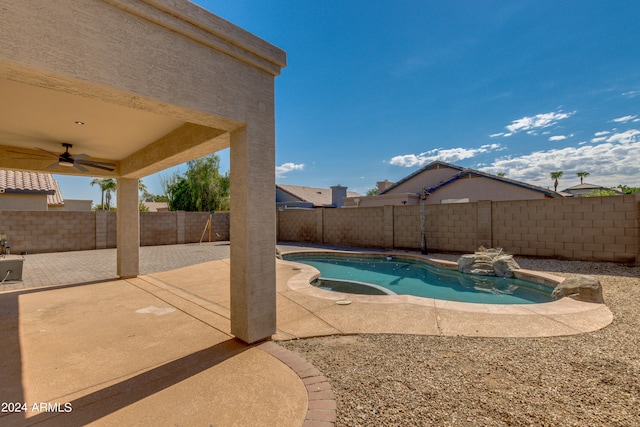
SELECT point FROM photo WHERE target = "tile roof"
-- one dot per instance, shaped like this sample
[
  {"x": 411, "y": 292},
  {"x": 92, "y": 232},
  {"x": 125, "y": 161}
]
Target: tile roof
[
  {"x": 21, "y": 182},
  {"x": 55, "y": 199}
]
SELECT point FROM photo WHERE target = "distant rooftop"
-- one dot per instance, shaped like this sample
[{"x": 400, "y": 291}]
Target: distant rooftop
[
  {"x": 21, "y": 182},
  {"x": 319, "y": 197}
]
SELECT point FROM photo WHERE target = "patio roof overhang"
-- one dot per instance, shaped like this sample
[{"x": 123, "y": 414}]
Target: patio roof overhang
[{"x": 145, "y": 85}]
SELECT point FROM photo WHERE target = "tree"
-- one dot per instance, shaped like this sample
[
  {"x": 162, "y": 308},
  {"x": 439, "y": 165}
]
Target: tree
[
  {"x": 603, "y": 192},
  {"x": 555, "y": 176},
  {"x": 582, "y": 175},
  {"x": 372, "y": 192},
  {"x": 107, "y": 186},
  {"x": 202, "y": 188},
  {"x": 628, "y": 190}
]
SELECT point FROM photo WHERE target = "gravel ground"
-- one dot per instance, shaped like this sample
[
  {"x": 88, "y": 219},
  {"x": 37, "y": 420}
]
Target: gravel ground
[{"x": 407, "y": 380}]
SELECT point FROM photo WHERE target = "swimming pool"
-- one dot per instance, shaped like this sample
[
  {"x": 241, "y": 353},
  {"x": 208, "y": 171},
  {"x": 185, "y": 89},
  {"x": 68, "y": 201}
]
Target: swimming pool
[{"x": 354, "y": 273}]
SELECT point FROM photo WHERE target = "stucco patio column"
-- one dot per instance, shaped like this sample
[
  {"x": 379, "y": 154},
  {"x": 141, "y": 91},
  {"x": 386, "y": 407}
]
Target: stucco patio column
[
  {"x": 253, "y": 235},
  {"x": 128, "y": 228}
]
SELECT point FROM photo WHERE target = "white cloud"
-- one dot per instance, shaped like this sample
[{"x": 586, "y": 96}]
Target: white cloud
[
  {"x": 625, "y": 119},
  {"x": 604, "y": 132},
  {"x": 557, "y": 138},
  {"x": 532, "y": 124},
  {"x": 631, "y": 93},
  {"x": 288, "y": 167},
  {"x": 611, "y": 162},
  {"x": 449, "y": 155}
]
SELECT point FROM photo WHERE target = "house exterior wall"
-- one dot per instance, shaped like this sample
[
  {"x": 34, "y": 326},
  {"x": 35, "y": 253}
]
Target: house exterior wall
[
  {"x": 283, "y": 196},
  {"x": 594, "y": 228},
  {"x": 73, "y": 205},
  {"x": 394, "y": 199},
  {"x": 428, "y": 178},
  {"x": 23, "y": 202},
  {"x": 480, "y": 188}
]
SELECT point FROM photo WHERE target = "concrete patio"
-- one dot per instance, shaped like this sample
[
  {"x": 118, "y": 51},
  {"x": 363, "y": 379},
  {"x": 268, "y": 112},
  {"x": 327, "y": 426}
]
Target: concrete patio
[{"x": 157, "y": 349}]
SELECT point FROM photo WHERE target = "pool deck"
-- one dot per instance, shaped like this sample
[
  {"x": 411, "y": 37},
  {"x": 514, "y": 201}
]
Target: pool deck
[
  {"x": 406, "y": 314},
  {"x": 157, "y": 349}
]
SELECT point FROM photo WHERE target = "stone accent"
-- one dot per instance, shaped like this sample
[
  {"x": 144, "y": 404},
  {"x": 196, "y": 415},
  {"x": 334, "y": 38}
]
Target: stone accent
[
  {"x": 489, "y": 262},
  {"x": 582, "y": 288},
  {"x": 504, "y": 265}
]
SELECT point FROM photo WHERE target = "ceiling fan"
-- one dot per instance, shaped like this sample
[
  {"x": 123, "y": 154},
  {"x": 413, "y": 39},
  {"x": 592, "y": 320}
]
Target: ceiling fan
[{"x": 77, "y": 161}]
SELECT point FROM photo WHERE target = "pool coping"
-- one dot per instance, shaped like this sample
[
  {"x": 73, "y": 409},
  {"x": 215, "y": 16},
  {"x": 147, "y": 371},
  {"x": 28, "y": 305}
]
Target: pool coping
[{"x": 577, "y": 316}]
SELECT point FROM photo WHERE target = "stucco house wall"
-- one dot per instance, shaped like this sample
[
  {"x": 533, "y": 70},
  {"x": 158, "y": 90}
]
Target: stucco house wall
[
  {"x": 447, "y": 183},
  {"x": 476, "y": 188},
  {"x": 23, "y": 202}
]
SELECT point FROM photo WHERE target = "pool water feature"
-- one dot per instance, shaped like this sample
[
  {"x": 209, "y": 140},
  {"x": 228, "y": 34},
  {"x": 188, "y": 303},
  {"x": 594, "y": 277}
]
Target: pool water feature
[{"x": 404, "y": 276}]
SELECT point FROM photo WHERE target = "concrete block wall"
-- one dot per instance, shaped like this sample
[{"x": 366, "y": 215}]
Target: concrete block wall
[
  {"x": 59, "y": 231},
  {"x": 406, "y": 227},
  {"x": 588, "y": 228},
  {"x": 354, "y": 227},
  {"x": 452, "y": 227},
  {"x": 158, "y": 228},
  {"x": 195, "y": 223},
  {"x": 43, "y": 231},
  {"x": 300, "y": 225}
]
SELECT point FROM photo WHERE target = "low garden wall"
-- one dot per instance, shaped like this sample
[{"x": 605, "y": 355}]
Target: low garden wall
[{"x": 585, "y": 228}]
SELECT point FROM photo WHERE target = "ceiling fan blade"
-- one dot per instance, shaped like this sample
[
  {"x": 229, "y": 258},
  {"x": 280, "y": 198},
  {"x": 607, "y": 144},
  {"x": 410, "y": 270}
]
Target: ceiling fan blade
[
  {"x": 80, "y": 168},
  {"x": 94, "y": 162},
  {"x": 53, "y": 165},
  {"x": 27, "y": 154},
  {"x": 98, "y": 165},
  {"x": 80, "y": 156},
  {"x": 48, "y": 152}
]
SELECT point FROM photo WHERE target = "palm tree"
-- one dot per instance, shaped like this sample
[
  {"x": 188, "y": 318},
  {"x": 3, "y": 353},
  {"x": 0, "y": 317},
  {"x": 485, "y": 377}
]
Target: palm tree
[
  {"x": 555, "y": 176},
  {"x": 582, "y": 175},
  {"x": 107, "y": 185},
  {"x": 110, "y": 185}
]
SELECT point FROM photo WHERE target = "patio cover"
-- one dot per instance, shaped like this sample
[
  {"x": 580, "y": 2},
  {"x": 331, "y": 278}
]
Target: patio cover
[{"x": 147, "y": 85}]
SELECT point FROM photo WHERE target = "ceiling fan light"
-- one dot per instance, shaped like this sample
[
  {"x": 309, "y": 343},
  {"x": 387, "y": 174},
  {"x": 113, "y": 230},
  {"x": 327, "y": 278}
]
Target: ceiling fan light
[{"x": 65, "y": 163}]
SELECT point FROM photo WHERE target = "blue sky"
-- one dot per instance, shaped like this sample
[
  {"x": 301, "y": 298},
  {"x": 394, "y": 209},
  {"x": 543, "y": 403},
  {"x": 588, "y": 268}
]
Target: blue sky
[{"x": 374, "y": 90}]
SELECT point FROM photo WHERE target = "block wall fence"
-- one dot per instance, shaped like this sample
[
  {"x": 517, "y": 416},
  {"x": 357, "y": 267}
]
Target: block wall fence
[
  {"x": 585, "y": 228},
  {"x": 49, "y": 231}
]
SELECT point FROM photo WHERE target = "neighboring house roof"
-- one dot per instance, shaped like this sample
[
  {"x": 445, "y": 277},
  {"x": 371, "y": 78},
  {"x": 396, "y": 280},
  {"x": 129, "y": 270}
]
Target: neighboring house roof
[
  {"x": 584, "y": 186},
  {"x": 21, "y": 182},
  {"x": 317, "y": 196},
  {"x": 55, "y": 199},
  {"x": 462, "y": 172},
  {"x": 156, "y": 206},
  {"x": 587, "y": 188}
]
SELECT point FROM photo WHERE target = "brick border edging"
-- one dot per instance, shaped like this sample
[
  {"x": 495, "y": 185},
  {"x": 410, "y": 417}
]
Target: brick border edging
[{"x": 321, "y": 409}]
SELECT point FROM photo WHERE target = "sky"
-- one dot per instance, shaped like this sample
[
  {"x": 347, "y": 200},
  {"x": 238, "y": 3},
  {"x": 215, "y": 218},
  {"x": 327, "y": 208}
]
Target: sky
[{"x": 375, "y": 90}]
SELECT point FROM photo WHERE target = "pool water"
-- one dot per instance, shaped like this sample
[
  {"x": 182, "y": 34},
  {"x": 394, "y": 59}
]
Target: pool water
[{"x": 412, "y": 277}]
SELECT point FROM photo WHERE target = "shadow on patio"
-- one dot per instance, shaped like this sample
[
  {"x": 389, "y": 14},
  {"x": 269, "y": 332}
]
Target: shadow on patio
[{"x": 116, "y": 353}]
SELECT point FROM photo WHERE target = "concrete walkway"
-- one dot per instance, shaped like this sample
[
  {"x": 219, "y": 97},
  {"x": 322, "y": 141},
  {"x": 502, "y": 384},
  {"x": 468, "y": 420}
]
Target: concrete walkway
[
  {"x": 157, "y": 349},
  {"x": 81, "y": 348}
]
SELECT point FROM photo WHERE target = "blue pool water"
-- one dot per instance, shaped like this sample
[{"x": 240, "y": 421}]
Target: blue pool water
[{"x": 411, "y": 277}]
